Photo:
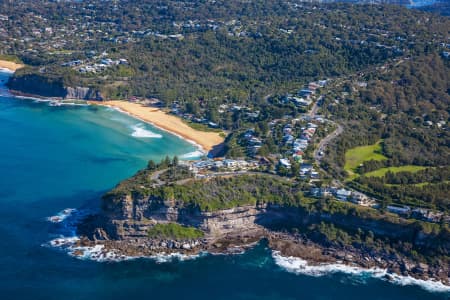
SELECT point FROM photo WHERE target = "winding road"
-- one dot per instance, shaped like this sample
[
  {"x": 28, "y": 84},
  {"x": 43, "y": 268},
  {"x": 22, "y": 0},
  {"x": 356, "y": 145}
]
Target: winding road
[{"x": 325, "y": 141}]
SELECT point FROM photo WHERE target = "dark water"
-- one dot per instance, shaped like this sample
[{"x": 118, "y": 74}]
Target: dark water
[{"x": 53, "y": 158}]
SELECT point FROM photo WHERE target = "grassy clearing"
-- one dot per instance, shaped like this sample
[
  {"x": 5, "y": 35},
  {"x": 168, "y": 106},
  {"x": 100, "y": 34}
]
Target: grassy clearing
[
  {"x": 381, "y": 172},
  {"x": 356, "y": 156},
  {"x": 422, "y": 184},
  {"x": 202, "y": 127},
  {"x": 174, "y": 231}
]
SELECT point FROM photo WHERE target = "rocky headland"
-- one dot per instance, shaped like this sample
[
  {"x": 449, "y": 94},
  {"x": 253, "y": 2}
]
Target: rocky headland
[
  {"x": 33, "y": 85},
  {"x": 320, "y": 236}
]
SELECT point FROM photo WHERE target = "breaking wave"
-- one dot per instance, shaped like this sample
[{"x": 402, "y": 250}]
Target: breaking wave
[
  {"x": 65, "y": 225},
  {"x": 140, "y": 132},
  {"x": 300, "y": 266},
  {"x": 193, "y": 154},
  {"x": 62, "y": 215}
]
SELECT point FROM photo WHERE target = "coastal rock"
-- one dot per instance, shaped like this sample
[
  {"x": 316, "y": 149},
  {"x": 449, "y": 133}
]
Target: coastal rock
[
  {"x": 124, "y": 222},
  {"x": 41, "y": 86},
  {"x": 82, "y": 93}
]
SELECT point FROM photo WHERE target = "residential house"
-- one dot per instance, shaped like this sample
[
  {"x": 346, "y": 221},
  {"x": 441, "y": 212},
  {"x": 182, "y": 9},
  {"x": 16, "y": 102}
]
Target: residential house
[
  {"x": 400, "y": 210},
  {"x": 285, "y": 163},
  {"x": 343, "y": 194}
]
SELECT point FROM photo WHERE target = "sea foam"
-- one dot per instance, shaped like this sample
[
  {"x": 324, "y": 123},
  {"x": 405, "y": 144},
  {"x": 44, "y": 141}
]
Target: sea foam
[
  {"x": 140, "y": 132},
  {"x": 301, "y": 266},
  {"x": 62, "y": 215},
  {"x": 66, "y": 222},
  {"x": 193, "y": 154}
]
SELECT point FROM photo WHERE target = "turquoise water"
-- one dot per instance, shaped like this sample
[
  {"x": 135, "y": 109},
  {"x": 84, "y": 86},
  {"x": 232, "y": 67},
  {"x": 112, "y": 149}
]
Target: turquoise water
[{"x": 53, "y": 158}]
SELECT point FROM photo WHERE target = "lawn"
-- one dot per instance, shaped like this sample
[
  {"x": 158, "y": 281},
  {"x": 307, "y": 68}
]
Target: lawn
[
  {"x": 202, "y": 127},
  {"x": 174, "y": 231},
  {"x": 381, "y": 172},
  {"x": 356, "y": 156}
]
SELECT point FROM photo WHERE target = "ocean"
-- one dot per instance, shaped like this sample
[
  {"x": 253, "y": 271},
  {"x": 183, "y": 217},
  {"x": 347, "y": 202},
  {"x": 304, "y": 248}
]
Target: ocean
[{"x": 58, "y": 157}]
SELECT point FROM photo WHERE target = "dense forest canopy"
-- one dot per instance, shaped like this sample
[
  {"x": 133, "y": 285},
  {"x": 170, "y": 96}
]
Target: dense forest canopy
[
  {"x": 388, "y": 70},
  {"x": 226, "y": 50}
]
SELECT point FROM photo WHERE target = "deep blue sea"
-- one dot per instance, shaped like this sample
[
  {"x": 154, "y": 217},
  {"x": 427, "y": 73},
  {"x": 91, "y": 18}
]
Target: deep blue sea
[{"x": 52, "y": 158}]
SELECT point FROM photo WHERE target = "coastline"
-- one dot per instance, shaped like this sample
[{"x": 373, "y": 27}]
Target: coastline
[
  {"x": 205, "y": 141},
  {"x": 156, "y": 117},
  {"x": 10, "y": 66},
  {"x": 308, "y": 258}
]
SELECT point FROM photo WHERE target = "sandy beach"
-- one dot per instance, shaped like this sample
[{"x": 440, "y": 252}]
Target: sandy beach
[
  {"x": 12, "y": 66},
  {"x": 158, "y": 118}
]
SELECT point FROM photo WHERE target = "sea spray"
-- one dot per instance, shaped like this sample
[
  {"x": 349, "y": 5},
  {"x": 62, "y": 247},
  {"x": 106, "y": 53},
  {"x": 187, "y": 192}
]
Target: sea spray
[
  {"x": 300, "y": 266},
  {"x": 69, "y": 242}
]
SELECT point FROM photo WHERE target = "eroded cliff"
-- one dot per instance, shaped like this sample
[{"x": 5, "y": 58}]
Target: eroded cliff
[{"x": 41, "y": 86}]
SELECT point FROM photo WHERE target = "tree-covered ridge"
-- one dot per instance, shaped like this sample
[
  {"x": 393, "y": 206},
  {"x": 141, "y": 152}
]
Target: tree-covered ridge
[
  {"x": 226, "y": 51},
  {"x": 213, "y": 194},
  {"x": 407, "y": 106}
]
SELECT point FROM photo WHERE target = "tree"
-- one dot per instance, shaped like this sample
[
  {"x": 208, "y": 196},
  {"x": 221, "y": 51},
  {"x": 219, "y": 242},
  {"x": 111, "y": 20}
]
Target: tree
[
  {"x": 175, "y": 161},
  {"x": 151, "y": 165}
]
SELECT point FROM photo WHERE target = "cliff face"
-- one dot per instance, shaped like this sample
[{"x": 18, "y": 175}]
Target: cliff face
[
  {"x": 124, "y": 222},
  {"x": 130, "y": 217},
  {"x": 37, "y": 85},
  {"x": 82, "y": 93},
  {"x": 32, "y": 84}
]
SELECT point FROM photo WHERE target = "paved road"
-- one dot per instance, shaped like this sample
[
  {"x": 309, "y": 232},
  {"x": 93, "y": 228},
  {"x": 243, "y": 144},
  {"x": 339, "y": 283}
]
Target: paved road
[
  {"x": 313, "y": 112},
  {"x": 155, "y": 177},
  {"x": 325, "y": 141}
]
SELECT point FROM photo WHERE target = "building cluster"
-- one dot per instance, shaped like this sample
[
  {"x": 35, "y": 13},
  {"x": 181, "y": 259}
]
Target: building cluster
[
  {"x": 419, "y": 213},
  {"x": 305, "y": 96},
  {"x": 299, "y": 145},
  {"x": 222, "y": 165},
  {"x": 253, "y": 143},
  {"x": 175, "y": 110},
  {"x": 342, "y": 194},
  {"x": 96, "y": 64},
  {"x": 446, "y": 51}
]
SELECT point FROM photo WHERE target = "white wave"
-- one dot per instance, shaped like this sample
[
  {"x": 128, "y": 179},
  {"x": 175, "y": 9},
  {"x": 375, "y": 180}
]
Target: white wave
[
  {"x": 300, "y": 266},
  {"x": 8, "y": 71},
  {"x": 140, "y": 132},
  {"x": 72, "y": 104},
  {"x": 69, "y": 242},
  {"x": 429, "y": 285},
  {"x": 169, "y": 257},
  {"x": 62, "y": 215},
  {"x": 97, "y": 252},
  {"x": 64, "y": 241},
  {"x": 100, "y": 254},
  {"x": 193, "y": 154}
]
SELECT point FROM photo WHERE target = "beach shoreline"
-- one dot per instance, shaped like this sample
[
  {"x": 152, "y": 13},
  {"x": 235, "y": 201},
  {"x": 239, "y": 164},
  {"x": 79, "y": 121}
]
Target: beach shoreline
[
  {"x": 10, "y": 66},
  {"x": 203, "y": 140},
  {"x": 207, "y": 141}
]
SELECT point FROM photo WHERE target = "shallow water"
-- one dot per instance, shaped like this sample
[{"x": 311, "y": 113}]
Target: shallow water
[{"x": 52, "y": 158}]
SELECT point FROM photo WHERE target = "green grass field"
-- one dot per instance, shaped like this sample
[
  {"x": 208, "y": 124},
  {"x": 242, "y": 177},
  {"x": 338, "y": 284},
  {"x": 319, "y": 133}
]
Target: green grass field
[
  {"x": 174, "y": 231},
  {"x": 356, "y": 156},
  {"x": 202, "y": 127},
  {"x": 381, "y": 172}
]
